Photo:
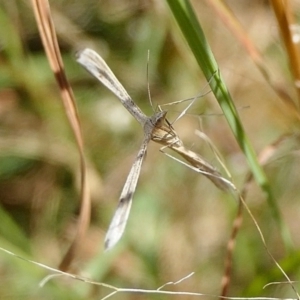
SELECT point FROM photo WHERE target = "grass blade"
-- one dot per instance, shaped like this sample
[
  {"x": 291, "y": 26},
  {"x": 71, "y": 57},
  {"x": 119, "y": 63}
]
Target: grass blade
[{"x": 194, "y": 35}]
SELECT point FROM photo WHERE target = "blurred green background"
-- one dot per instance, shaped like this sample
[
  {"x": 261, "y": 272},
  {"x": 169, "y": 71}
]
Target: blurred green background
[{"x": 180, "y": 222}]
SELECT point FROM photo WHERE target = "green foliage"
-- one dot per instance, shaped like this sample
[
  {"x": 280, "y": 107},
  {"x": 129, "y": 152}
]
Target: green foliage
[{"x": 180, "y": 222}]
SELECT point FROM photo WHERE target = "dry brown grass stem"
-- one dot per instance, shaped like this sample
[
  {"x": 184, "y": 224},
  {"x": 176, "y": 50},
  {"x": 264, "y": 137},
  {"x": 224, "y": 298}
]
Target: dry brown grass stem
[
  {"x": 284, "y": 16},
  {"x": 48, "y": 35}
]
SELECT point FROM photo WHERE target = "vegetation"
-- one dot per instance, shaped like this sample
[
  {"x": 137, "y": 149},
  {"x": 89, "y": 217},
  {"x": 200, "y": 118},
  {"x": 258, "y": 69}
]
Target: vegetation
[{"x": 248, "y": 72}]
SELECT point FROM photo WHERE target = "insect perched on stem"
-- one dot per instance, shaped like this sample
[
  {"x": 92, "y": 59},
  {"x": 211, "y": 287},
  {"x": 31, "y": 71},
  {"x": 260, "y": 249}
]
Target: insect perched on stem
[{"x": 156, "y": 128}]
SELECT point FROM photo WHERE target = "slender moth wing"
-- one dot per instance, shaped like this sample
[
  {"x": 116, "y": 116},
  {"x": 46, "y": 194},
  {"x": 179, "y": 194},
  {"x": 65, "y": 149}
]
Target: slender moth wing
[
  {"x": 96, "y": 66},
  {"x": 119, "y": 221}
]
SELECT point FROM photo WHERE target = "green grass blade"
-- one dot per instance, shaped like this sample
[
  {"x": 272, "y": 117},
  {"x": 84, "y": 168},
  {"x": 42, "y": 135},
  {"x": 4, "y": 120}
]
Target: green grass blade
[{"x": 194, "y": 35}]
